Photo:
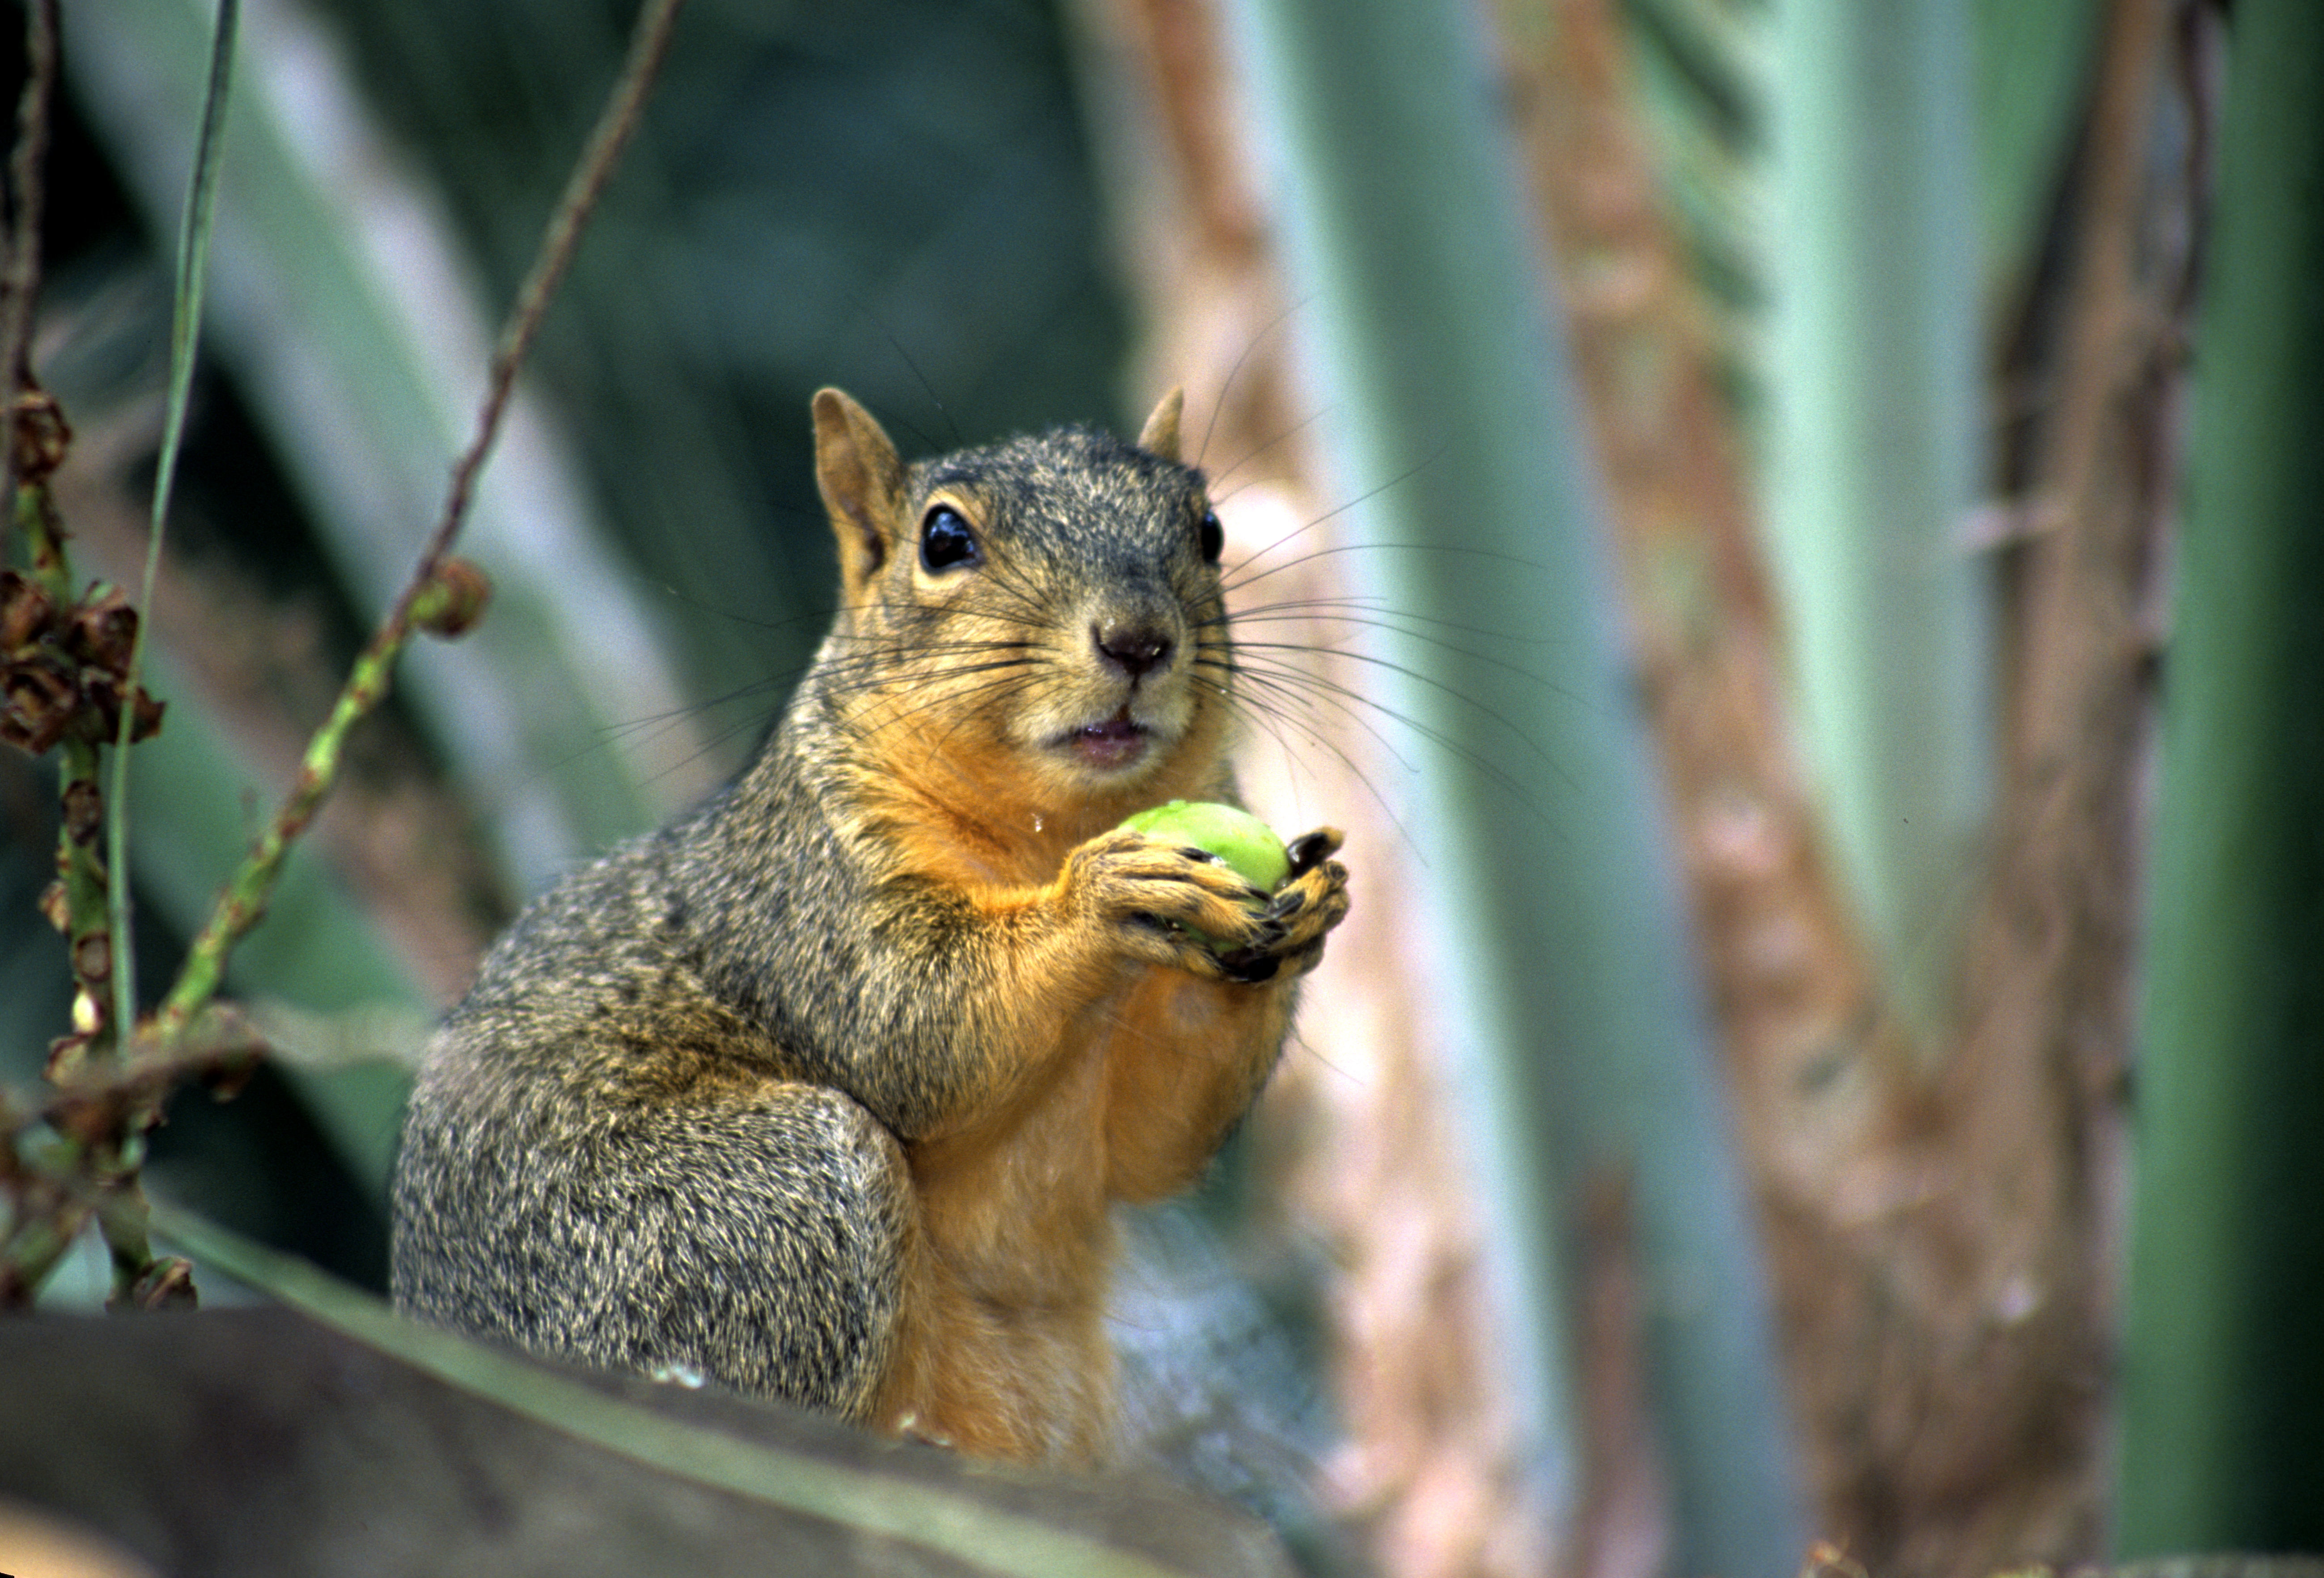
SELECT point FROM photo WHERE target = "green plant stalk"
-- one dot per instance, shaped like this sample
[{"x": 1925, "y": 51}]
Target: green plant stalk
[
  {"x": 94, "y": 946},
  {"x": 37, "y": 1238},
  {"x": 2222, "y": 1431},
  {"x": 83, "y": 1179},
  {"x": 123, "y": 1214},
  {"x": 318, "y": 946},
  {"x": 244, "y": 903},
  {"x": 1560, "y": 949},
  {"x": 69, "y": 1179},
  {"x": 31, "y": 1255},
  {"x": 79, "y": 867},
  {"x": 80, "y": 1152},
  {"x": 1875, "y": 466},
  {"x": 96, "y": 885},
  {"x": 981, "y": 1539},
  {"x": 37, "y": 1242},
  {"x": 110, "y": 1159},
  {"x": 185, "y": 334}
]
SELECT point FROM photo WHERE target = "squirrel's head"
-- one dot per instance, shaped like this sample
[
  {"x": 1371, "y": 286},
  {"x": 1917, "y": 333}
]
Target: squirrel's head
[{"x": 1054, "y": 596}]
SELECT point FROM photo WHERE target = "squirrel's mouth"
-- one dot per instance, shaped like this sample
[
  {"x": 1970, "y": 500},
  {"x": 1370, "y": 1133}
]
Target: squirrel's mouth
[{"x": 1117, "y": 742}]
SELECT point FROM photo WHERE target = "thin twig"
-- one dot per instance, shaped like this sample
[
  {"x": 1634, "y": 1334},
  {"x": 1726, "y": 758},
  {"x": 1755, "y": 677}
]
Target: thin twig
[
  {"x": 89, "y": 1103},
  {"x": 619, "y": 120},
  {"x": 21, "y": 286},
  {"x": 245, "y": 899},
  {"x": 65, "y": 1161}
]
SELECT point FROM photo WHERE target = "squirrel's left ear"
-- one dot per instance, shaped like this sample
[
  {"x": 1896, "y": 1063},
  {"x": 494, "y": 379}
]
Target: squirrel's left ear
[
  {"x": 1160, "y": 434},
  {"x": 863, "y": 484}
]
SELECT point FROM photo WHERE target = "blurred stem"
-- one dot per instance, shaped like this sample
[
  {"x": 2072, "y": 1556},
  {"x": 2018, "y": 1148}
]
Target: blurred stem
[
  {"x": 31, "y": 1254},
  {"x": 2223, "y": 1409},
  {"x": 1873, "y": 377},
  {"x": 122, "y": 1214}
]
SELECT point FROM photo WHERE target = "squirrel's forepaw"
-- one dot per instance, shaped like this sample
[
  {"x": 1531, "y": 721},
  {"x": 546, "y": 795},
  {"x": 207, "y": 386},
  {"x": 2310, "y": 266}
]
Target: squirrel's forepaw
[
  {"x": 1291, "y": 928},
  {"x": 1182, "y": 908},
  {"x": 1166, "y": 904}
]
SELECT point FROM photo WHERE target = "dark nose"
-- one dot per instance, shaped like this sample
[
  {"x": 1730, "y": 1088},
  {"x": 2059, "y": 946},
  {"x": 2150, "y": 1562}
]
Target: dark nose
[{"x": 1134, "y": 650}]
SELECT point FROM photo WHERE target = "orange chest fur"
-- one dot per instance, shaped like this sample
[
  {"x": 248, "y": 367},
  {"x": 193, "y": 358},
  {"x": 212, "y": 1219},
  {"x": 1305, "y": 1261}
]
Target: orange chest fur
[{"x": 1004, "y": 1348}]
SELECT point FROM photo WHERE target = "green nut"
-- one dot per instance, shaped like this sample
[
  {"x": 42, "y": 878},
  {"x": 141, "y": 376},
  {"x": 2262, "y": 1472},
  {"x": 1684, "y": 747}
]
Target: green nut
[{"x": 1228, "y": 833}]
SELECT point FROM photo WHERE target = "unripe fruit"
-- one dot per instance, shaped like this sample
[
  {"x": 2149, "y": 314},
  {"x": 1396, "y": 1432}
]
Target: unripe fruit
[{"x": 1228, "y": 833}]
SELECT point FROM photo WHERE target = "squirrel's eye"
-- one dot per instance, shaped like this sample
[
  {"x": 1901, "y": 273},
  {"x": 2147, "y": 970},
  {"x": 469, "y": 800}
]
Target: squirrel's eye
[
  {"x": 1213, "y": 537},
  {"x": 946, "y": 540}
]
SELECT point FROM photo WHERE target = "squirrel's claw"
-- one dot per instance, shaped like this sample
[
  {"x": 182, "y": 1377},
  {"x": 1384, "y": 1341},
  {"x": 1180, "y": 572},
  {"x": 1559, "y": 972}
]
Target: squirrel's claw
[
  {"x": 1310, "y": 902},
  {"x": 1309, "y": 849},
  {"x": 1288, "y": 939},
  {"x": 1249, "y": 967}
]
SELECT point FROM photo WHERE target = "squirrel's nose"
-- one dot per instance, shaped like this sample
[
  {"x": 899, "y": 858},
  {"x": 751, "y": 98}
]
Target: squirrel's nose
[{"x": 1134, "y": 650}]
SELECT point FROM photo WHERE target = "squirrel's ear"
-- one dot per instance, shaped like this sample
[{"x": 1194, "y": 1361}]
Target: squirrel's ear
[
  {"x": 1160, "y": 434},
  {"x": 862, "y": 483}
]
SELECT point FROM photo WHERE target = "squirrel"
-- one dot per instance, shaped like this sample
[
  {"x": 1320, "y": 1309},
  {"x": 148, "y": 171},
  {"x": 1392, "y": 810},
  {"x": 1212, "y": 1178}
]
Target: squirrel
[{"x": 825, "y": 1090}]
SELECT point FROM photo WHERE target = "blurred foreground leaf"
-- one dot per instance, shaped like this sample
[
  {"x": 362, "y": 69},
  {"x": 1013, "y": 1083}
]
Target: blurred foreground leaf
[
  {"x": 849, "y": 1501},
  {"x": 2223, "y": 1403},
  {"x": 1552, "y": 911},
  {"x": 1877, "y": 459}
]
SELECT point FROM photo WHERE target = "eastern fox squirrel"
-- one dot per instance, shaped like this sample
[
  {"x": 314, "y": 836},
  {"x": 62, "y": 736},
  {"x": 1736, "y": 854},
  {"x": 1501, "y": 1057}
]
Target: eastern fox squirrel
[{"x": 825, "y": 1089}]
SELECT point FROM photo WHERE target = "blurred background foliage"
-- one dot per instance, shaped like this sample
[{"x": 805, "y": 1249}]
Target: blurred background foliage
[
  {"x": 895, "y": 197},
  {"x": 975, "y": 215},
  {"x": 892, "y": 197}
]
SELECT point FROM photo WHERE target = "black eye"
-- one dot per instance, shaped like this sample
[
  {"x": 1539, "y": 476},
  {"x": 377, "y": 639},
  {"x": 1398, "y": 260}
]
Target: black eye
[
  {"x": 946, "y": 540},
  {"x": 1213, "y": 537}
]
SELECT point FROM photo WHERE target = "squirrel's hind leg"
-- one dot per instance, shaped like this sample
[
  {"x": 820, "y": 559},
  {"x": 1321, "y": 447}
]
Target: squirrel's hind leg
[
  {"x": 766, "y": 1245},
  {"x": 757, "y": 1239}
]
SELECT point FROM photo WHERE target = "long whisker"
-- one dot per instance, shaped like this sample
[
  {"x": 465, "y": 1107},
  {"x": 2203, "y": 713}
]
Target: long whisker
[
  {"x": 1372, "y": 613},
  {"x": 1235, "y": 372},
  {"x": 1315, "y": 555},
  {"x": 1273, "y": 722},
  {"x": 1288, "y": 434},
  {"x": 1407, "y": 475},
  {"x": 1282, "y": 680},
  {"x": 1310, "y": 693},
  {"x": 1454, "y": 649}
]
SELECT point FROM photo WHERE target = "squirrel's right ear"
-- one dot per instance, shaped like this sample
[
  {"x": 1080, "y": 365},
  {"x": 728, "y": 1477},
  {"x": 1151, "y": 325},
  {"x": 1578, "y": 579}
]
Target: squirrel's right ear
[
  {"x": 863, "y": 484},
  {"x": 1160, "y": 434}
]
